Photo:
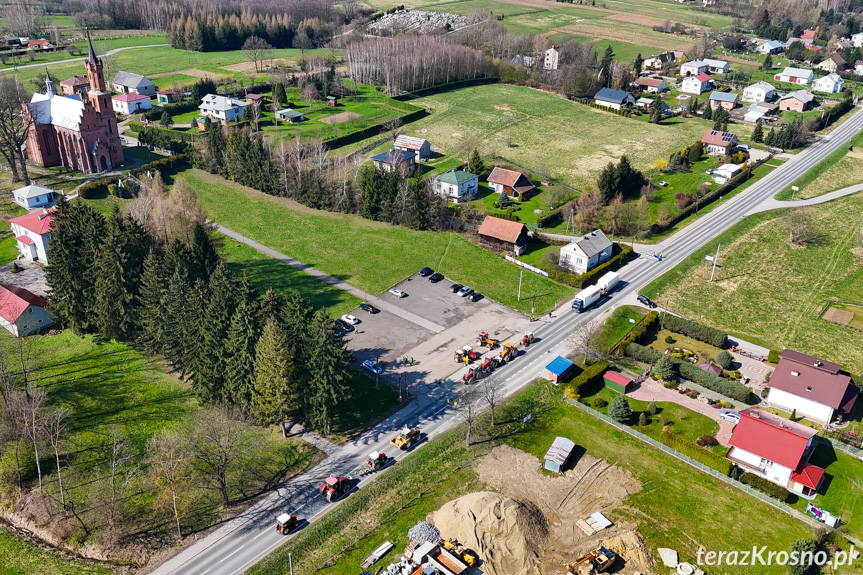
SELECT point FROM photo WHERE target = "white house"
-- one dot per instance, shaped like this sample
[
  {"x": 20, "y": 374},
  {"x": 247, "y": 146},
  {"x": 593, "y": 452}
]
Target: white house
[
  {"x": 858, "y": 67},
  {"x": 131, "y": 103},
  {"x": 32, "y": 233},
  {"x": 716, "y": 66},
  {"x": 22, "y": 312},
  {"x": 394, "y": 159},
  {"x": 651, "y": 85},
  {"x": 454, "y": 185},
  {"x": 758, "y": 92},
  {"x": 615, "y": 99},
  {"x": 129, "y": 83},
  {"x": 831, "y": 84},
  {"x": 813, "y": 387},
  {"x": 857, "y": 40},
  {"x": 222, "y": 108},
  {"x": 420, "y": 147},
  {"x": 586, "y": 253},
  {"x": 794, "y": 76},
  {"x": 725, "y": 172},
  {"x": 769, "y": 47},
  {"x": 551, "y": 59},
  {"x": 697, "y": 84},
  {"x": 34, "y": 196},
  {"x": 719, "y": 142},
  {"x": 693, "y": 68},
  {"x": 777, "y": 450}
]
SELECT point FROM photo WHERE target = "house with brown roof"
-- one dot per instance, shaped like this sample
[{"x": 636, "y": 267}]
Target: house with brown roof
[
  {"x": 832, "y": 63},
  {"x": 418, "y": 146},
  {"x": 501, "y": 235},
  {"x": 719, "y": 142},
  {"x": 798, "y": 101},
  {"x": 515, "y": 184},
  {"x": 812, "y": 387},
  {"x": 650, "y": 85},
  {"x": 75, "y": 85}
]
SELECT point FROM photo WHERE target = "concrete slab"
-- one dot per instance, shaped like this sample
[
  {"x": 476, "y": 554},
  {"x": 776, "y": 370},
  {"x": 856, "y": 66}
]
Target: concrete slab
[{"x": 668, "y": 556}]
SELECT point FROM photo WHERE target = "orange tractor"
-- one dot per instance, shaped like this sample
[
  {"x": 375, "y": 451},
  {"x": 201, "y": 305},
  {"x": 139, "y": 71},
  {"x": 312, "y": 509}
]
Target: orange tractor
[
  {"x": 406, "y": 438},
  {"x": 286, "y": 523},
  {"x": 483, "y": 340},
  {"x": 601, "y": 559},
  {"x": 334, "y": 487},
  {"x": 508, "y": 352}
]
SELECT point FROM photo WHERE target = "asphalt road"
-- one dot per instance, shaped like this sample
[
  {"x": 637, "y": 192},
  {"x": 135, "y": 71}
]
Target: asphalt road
[{"x": 250, "y": 536}]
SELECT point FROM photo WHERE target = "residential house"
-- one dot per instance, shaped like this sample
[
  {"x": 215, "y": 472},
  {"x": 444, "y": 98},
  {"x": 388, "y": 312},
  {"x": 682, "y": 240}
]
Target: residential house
[
  {"x": 719, "y": 142},
  {"x": 807, "y": 37},
  {"x": 693, "y": 68},
  {"x": 662, "y": 61},
  {"x": 76, "y": 85},
  {"x": 32, "y": 233},
  {"x": 131, "y": 103},
  {"x": 586, "y": 253},
  {"x": 798, "y": 101},
  {"x": 697, "y": 84},
  {"x": 769, "y": 47},
  {"x": 716, "y": 66},
  {"x": 290, "y": 115},
  {"x": 857, "y": 40},
  {"x": 515, "y": 184},
  {"x": 394, "y": 159},
  {"x": 501, "y": 235},
  {"x": 858, "y": 67},
  {"x": 648, "y": 102},
  {"x": 168, "y": 96},
  {"x": 758, "y": 92},
  {"x": 844, "y": 44},
  {"x": 34, "y": 196},
  {"x": 40, "y": 44},
  {"x": 831, "y": 84},
  {"x": 794, "y": 76},
  {"x": 614, "y": 99},
  {"x": 454, "y": 185},
  {"x": 222, "y": 108},
  {"x": 551, "y": 59},
  {"x": 526, "y": 61},
  {"x": 724, "y": 100},
  {"x": 832, "y": 63},
  {"x": 768, "y": 108},
  {"x": 812, "y": 387},
  {"x": 777, "y": 450},
  {"x": 651, "y": 85},
  {"x": 22, "y": 312},
  {"x": 421, "y": 148},
  {"x": 131, "y": 83},
  {"x": 254, "y": 99}
]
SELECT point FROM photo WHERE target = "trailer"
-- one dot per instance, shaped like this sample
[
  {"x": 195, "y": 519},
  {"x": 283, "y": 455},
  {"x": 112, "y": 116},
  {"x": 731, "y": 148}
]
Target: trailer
[{"x": 589, "y": 296}]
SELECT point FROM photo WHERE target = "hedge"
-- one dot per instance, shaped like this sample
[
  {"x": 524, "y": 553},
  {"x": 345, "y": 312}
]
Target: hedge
[
  {"x": 830, "y": 115},
  {"x": 550, "y": 217},
  {"x": 371, "y": 131},
  {"x": 636, "y": 333},
  {"x": 621, "y": 254},
  {"x": 773, "y": 356},
  {"x": 695, "y": 330},
  {"x": 94, "y": 188},
  {"x": 642, "y": 353},
  {"x": 584, "y": 381},
  {"x": 593, "y": 104},
  {"x": 699, "y": 454},
  {"x": 162, "y": 165},
  {"x": 766, "y": 486}
]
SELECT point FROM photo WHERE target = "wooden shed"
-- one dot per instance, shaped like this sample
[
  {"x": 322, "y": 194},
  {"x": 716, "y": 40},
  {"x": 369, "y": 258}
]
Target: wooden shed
[
  {"x": 501, "y": 235},
  {"x": 558, "y": 454},
  {"x": 617, "y": 381}
]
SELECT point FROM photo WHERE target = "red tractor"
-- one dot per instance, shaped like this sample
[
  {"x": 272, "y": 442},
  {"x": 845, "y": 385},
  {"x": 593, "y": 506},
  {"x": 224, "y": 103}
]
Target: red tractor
[
  {"x": 469, "y": 378},
  {"x": 527, "y": 339},
  {"x": 334, "y": 487},
  {"x": 488, "y": 364},
  {"x": 376, "y": 461},
  {"x": 286, "y": 523}
]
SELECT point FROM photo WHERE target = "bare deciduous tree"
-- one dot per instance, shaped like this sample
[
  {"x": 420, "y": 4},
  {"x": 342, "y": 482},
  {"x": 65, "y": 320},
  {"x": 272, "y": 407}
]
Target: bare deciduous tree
[
  {"x": 392, "y": 127},
  {"x": 492, "y": 394},
  {"x": 14, "y": 127},
  {"x": 218, "y": 444},
  {"x": 170, "y": 471},
  {"x": 24, "y": 18},
  {"x": 800, "y": 225},
  {"x": 302, "y": 42},
  {"x": 468, "y": 412},
  {"x": 122, "y": 470},
  {"x": 56, "y": 423},
  {"x": 256, "y": 49},
  {"x": 30, "y": 408},
  {"x": 583, "y": 340},
  {"x": 310, "y": 94}
]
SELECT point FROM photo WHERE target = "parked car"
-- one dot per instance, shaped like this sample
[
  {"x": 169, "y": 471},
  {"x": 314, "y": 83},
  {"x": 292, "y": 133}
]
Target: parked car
[
  {"x": 662, "y": 184},
  {"x": 397, "y": 292},
  {"x": 426, "y": 272},
  {"x": 366, "y": 307},
  {"x": 708, "y": 171},
  {"x": 743, "y": 147},
  {"x": 372, "y": 367},
  {"x": 646, "y": 301},
  {"x": 731, "y": 416},
  {"x": 347, "y": 318},
  {"x": 455, "y": 287},
  {"x": 344, "y": 326},
  {"x": 475, "y": 296},
  {"x": 435, "y": 277},
  {"x": 465, "y": 290}
]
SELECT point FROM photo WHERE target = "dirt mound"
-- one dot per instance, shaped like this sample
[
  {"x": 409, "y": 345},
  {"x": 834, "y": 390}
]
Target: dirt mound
[{"x": 508, "y": 533}]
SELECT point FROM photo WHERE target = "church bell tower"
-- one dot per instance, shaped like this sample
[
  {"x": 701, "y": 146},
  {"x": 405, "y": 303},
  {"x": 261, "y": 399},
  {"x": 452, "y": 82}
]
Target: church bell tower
[{"x": 98, "y": 95}]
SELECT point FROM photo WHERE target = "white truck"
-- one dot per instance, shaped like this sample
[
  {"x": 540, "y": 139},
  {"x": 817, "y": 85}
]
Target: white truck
[{"x": 589, "y": 296}]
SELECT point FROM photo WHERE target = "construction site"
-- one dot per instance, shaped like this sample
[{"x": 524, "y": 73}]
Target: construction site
[{"x": 528, "y": 522}]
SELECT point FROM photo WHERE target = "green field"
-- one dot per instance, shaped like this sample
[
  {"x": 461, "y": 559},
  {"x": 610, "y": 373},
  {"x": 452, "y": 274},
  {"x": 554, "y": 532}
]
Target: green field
[
  {"x": 840, "y": 169},
  {"x": 18, "y": 557},
  {"x": 369, "y": 255},
  {"x": 101, "y": 45},
  {"x": 770, "y": 293},
  {"x": 618, "y": 325}
]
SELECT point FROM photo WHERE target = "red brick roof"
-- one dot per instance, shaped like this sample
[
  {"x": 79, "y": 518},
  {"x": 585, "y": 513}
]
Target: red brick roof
[
  {"x": 816, "y": 380},
  {"x": 76, "y": 81},
  {"x": 808, "y": 35},
  {"x": 130, "y": 97},
  {"x": 771, "y": 437},
  {"x": 37, "y": 222},
  {"x": 511, "y": 179},
  {"x": 503, "y": 230},
  {"x": 808, "y": 475},
  {"x": 652, "y": 82},
  {"x": 15, "y": 300},
  {"x": 702, "y": 77},
  {"x": 718, "y": 138}
]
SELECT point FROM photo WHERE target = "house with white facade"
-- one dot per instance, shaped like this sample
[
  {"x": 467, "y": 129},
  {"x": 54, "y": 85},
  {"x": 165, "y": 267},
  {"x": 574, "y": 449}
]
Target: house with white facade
[
  {"x": 22, "y": 312},
  {"x": 832, "y": 63},
  {"x": 34, "y": 196},
  {"x": 812, "y": 387},
  {"x": 651, "y": 85},
  {"x": 777, "y": 450},
  {"x": 719, "y": 142},
  {"x": 769, "y": 47},
  {"x": 858, "y": 67},
  {"x": 222, "y": 108},
  {"x": 857, "y": 40},
  {"x": 614, "y": 99},
  {"x": 693, "y": 68},
  {"x": 420, "y": 147},
  {"x": 831, "y": 84},
  {"x": 551, "y": 59},
  {"x": 32, "y": 233},
  {"x": 697, "y": 84},
  {"x": 130, "y": 103},
  {"x": 716, "y": 66},
  {"x": 794, "y": 76},
  {"x": 758, "y": 92},
  {"x": 457, "y": 186},
  {"x": 586, "y": 253},
  {"x": 130, "y": 83}
]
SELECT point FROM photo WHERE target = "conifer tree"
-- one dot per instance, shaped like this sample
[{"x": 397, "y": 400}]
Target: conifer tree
[
  {"x": 179, "y": 301},
  {"x": 329, "y": 364},
  {"x": 240, "y": 350},
  {"x": 275, "y": 392},
  {"x": 271, "y": 306},
  {"x": 202, "y": 256},
  {"x": 475, "y": 164},
  {"x": 758, "y": 132},
  {"x": 209, "y": 373},
  {"x": 176, "y": 259},
  {"x": 151, "y": 316}
]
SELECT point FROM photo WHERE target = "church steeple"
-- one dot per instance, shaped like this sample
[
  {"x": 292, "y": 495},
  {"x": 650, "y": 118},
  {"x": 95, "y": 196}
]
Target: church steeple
[
  {"x": 99, "y": 96},
  {"x": 49, "y": 85},
  {"x": 91, "y": 54}
]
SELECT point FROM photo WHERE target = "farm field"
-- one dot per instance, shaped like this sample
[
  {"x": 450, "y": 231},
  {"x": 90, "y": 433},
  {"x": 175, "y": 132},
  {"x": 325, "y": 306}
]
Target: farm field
[
  {"x": 369, "y": 255},
  {"x": 101, "y": 45},
  {"x": 769, "y": 292},
  {"x": 840, "y": 169}
]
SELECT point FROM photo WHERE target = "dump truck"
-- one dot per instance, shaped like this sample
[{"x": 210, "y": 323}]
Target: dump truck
[
  {"x": 601, "y": 559},
  {"x": 509, "y": 351},
  {"x": 483, "y": 340},
  {"x": 589, "y": 296},
  {"x": 285, "y": 523},
  {"x": 460, "y": 551},
  {"x": 334, "y": 487},
  {"x": 527, "y": 339},
  {"x": 406, "y": 438}
]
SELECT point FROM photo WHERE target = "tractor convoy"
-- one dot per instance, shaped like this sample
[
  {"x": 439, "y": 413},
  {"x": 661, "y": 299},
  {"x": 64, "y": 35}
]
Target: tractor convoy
[
  {"x": 490, "y": 362},
  {"x": 334, "y": 487}
]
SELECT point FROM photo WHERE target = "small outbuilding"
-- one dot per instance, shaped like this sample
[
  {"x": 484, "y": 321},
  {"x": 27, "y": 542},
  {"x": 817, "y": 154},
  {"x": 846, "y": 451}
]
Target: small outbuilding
[
  {"x": 290, "y": 115},
  {"x": 499, "y": 235},
  {"x": 710, "y": 368},
  {"x": 418, "y": 146},
  {"x": 558, "y": 370},
  {"x": 558, "y": 454},
  {"x": 617, "y": 381},
  {"x": 34, "y": 196}
]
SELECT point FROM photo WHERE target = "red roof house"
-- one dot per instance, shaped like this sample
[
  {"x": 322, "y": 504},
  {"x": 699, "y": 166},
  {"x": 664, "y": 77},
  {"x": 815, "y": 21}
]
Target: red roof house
[
  {"x": 32, "y": 232},
  {"x": 498, "y": 234},
  {"x": 808, "y": 35},
  {"x": 22, "y": 312},
  {"x": 719, "y": 142},
  {"x": 515, "y": 184},
  {"x": 812, "y": 387}
]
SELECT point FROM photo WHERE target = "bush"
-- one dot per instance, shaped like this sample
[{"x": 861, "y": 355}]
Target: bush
[
  {"x": 550, "y": 218},
  {"x": 637, "y": 332},
  {"x": 163, "y": 165},
  {"x": 773, "y": 356},
  {"x": 585, "y": 381},
  {"x": 695, "y": 330},
  {"x": 707, "y": 441},
  {"x": 669, "y": 339},
  {"x": 665, "y": 368},
  {"x": 724, "y": 360},
  {"x": 600, "y": 403},
  {"x": 94, "y": 188},
  {"x": 641, "y": 353},
  {"x": 765, "y": 486},
  {"x": 708, "y": 458},
  {"x": 619, "y": 410},
  {"x": 651, "y": 408},
  {"x": 642, "y": 419}
]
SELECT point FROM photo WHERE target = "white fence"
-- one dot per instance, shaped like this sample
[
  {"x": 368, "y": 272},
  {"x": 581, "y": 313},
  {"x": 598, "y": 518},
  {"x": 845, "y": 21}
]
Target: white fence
[{"x": 526, "y": 266}]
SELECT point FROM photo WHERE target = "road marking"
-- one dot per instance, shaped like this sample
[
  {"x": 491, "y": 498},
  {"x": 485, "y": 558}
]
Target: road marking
[
  {"x": 264, "y": 532},
  {"x": 234, "y": 553}
]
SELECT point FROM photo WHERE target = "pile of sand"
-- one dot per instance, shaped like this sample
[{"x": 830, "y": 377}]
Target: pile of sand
[{"x": 508, "y": 533}]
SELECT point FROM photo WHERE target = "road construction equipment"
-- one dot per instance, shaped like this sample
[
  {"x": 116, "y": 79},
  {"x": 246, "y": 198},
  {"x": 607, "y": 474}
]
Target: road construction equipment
[
  {"x": 483, "y": 340},
  {"x": 601, "y": 559},
  {"x": 527, "y": 339},
  {"x": 509, "y": 351},
  {"x": 460, "y": 551},
  {"x": 376, "y": 461},
  {"x": 286, "y": 523},
  {"x": 334, "y": 487},
  {"x": 406, "y": 438}
]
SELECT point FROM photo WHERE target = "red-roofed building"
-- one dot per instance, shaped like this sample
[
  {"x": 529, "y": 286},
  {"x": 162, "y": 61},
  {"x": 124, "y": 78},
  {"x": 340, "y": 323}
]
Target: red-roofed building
[
  {"x": 808, "y": 35},
  {"x": 515, "y": 184},
  {"x": 812, "y": 387},
  {"x": 503, "y": 235},
  {"x": 40, "y": 45},
  {"x": 131, "y": 103},
  {"x": 32, "y": 233},
  {"x": 776, "y": 449},
  {"x": 22, "y": 312},
  {"x": 719, "y": 142}
]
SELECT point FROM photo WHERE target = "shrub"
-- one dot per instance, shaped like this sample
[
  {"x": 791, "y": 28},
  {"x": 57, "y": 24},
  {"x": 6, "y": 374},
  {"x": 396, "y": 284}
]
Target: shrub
[
  {"x": 773, "y": 356},
  {"x": 619, "y": 410},
  {"x": 15, "y": 268},
  {"x": 94, "y": 188},
  {"x": 724, "y": 359},
  {"x": 585, "y": 381},
  {"x": 694, "y": 330},
  {"x": 690, "y": 449},
  {"x": 669, "y": 384},
  {"x": 806, "y": 550},
  {"x": 642, "y": 419},
  {"x": 669, "y": 339},
  {"x": 665, "y": 368},
  {"x": 599, "y": 402},
  {"x": 707, "y": 441},
  {"x": 642, "y": 353},
  {"x": 765, "y": 486},
  {"x": 666, "y": 422},
  {"x": 161, "y": 165},
  {"x": 651, "y": 408}
]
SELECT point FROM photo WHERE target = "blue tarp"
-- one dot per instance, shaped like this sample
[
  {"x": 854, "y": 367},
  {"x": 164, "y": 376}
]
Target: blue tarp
[{"x": 559, "y": 365}]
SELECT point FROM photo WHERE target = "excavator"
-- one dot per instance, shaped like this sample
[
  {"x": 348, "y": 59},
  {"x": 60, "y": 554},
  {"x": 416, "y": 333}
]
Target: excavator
[
  {"x": 460, "y": 551},
  {"x": 508, "y": 352},
  {"x": 601, "y": 559},
  {"x": 483, "y": 339},
  {"x": 527, "y": 339}
]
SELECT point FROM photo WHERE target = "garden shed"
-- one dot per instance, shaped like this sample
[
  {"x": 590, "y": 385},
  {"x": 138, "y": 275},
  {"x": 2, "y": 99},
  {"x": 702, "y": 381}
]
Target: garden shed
[
  {"x": 558, "y": 453},
  {"x": 558, "y": 370},
  {"x": 617, "y": 381},
  {"x": 710, "y": 368}
]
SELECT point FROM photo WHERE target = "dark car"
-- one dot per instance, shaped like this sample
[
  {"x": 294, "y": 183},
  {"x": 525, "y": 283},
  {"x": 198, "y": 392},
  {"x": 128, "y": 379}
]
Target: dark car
[
  {"x": 368, "y": 308},
  {"x": 344, "y": 326},
  {"x": 455, "y": 287},
  {"x": 646, "y": 301},
  {"x": 475, "y": 296},
  {"x": 426, "y": 272},
  {"x": 434, "y": 278}
]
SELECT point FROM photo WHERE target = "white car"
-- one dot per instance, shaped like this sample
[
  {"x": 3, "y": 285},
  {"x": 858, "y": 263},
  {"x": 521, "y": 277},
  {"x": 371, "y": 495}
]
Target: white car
[
  {"x": 662, "y": 184},
  {"x": 397, "y": 292},
  {"x": 350, "y": 319},
  {"x": 464, "y": 291},
  {"x": 731, "y": 416}
]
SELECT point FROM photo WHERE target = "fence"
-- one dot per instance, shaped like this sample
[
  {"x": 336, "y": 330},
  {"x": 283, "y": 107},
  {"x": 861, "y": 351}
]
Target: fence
[{"x": 526, "y": 266}]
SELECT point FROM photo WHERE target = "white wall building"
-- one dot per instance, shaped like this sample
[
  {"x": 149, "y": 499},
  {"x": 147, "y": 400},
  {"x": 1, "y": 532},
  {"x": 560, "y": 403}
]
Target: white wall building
[
  {"x": 794, "y": 76},
  {"x": 551, "y": 59},
  {"x": 812, "y": 387},
  {"x": 222, "y": 108},
  {"x": 586, "y": 253},
  {"x": 758, "y": 92},
  {"x": 697, "y": 84},
  {"x": 831, "y": 84},
  {"x": 34, "y": 196},
  {"x": 130, "y": 103},
  {"x": 22, "y": 312},
  {"x": 457, "y": 185},
  {"x": 130, "y": 83},
  {"x": 32, "y": 233}
]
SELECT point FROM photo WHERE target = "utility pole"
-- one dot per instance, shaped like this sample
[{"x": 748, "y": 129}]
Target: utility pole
[
  {"x": 716, "y": 257},
  {"x": 520, "y": 277}
]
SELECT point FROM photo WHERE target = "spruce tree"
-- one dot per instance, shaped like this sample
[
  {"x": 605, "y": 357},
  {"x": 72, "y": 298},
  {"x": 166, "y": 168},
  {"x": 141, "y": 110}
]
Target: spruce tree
[
  {"x": 209, "y": 375},
  {"x": 176, "y": 331},
  {"x": 275, "y": 391},
  {"x": 608, "y": 183},
  {"x": 768, "y": 63},
  {"x": 151, "y": 315},
  {"x": 297, "y": 318},
  {"x": 271, "y": 306},
  {"x": 619, "y": 410},
  {"x": 758, "y": 132},
  {"x": 638, "y": 64},
  {"x": 202, "y": 256},
  {"x": 240, "y": 350},
  {"x": 329, "y": 363},
  {"x": 605, "y": 64},
  {"x": 708, "y": 112},
  {"x": 475, "y": 164},
  {"x": 770, "y": 140}
]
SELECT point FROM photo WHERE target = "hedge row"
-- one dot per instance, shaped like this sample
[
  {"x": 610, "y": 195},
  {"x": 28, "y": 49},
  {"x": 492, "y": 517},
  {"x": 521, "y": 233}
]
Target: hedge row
[
  {"x": 371, "y": 131},
  {"x": 636, "y": 333},
  {"x": 766, "y": 486},
  {"x": 551, "y": 217},
  {"x": 585, "y": 381},
  {"x": 695, "y": 330},
  {"x": 621, "y": 254},
  {"x": 830, "y": 115},
  {"x": 95, "y": 188},
  {"x": 162, "y": 165},
  {"x": 699, "y": 454}
]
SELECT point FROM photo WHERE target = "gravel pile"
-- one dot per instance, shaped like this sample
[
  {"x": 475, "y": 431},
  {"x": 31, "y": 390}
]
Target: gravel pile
[
  {"x": 424, "y": 532},
  {"x": 420, "y": 21}
]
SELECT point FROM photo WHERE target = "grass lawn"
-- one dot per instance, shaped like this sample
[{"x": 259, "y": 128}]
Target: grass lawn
[
  {"x": 840, "y": 492},
  {"x": 101, "y": 45},
  {"x": 369, "y": 255},
  {"x": 8, "y": 209},
  {"x": 539, "y": 200},
  {"x": 682, "y": 341},
  {"x": 18, "y": 557},
  {"x": 618, "y": 325},
  {"x": 840, "y": 169},
  {"x": 767, "y": 291},
  {"x": 368, "y": 404}
]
